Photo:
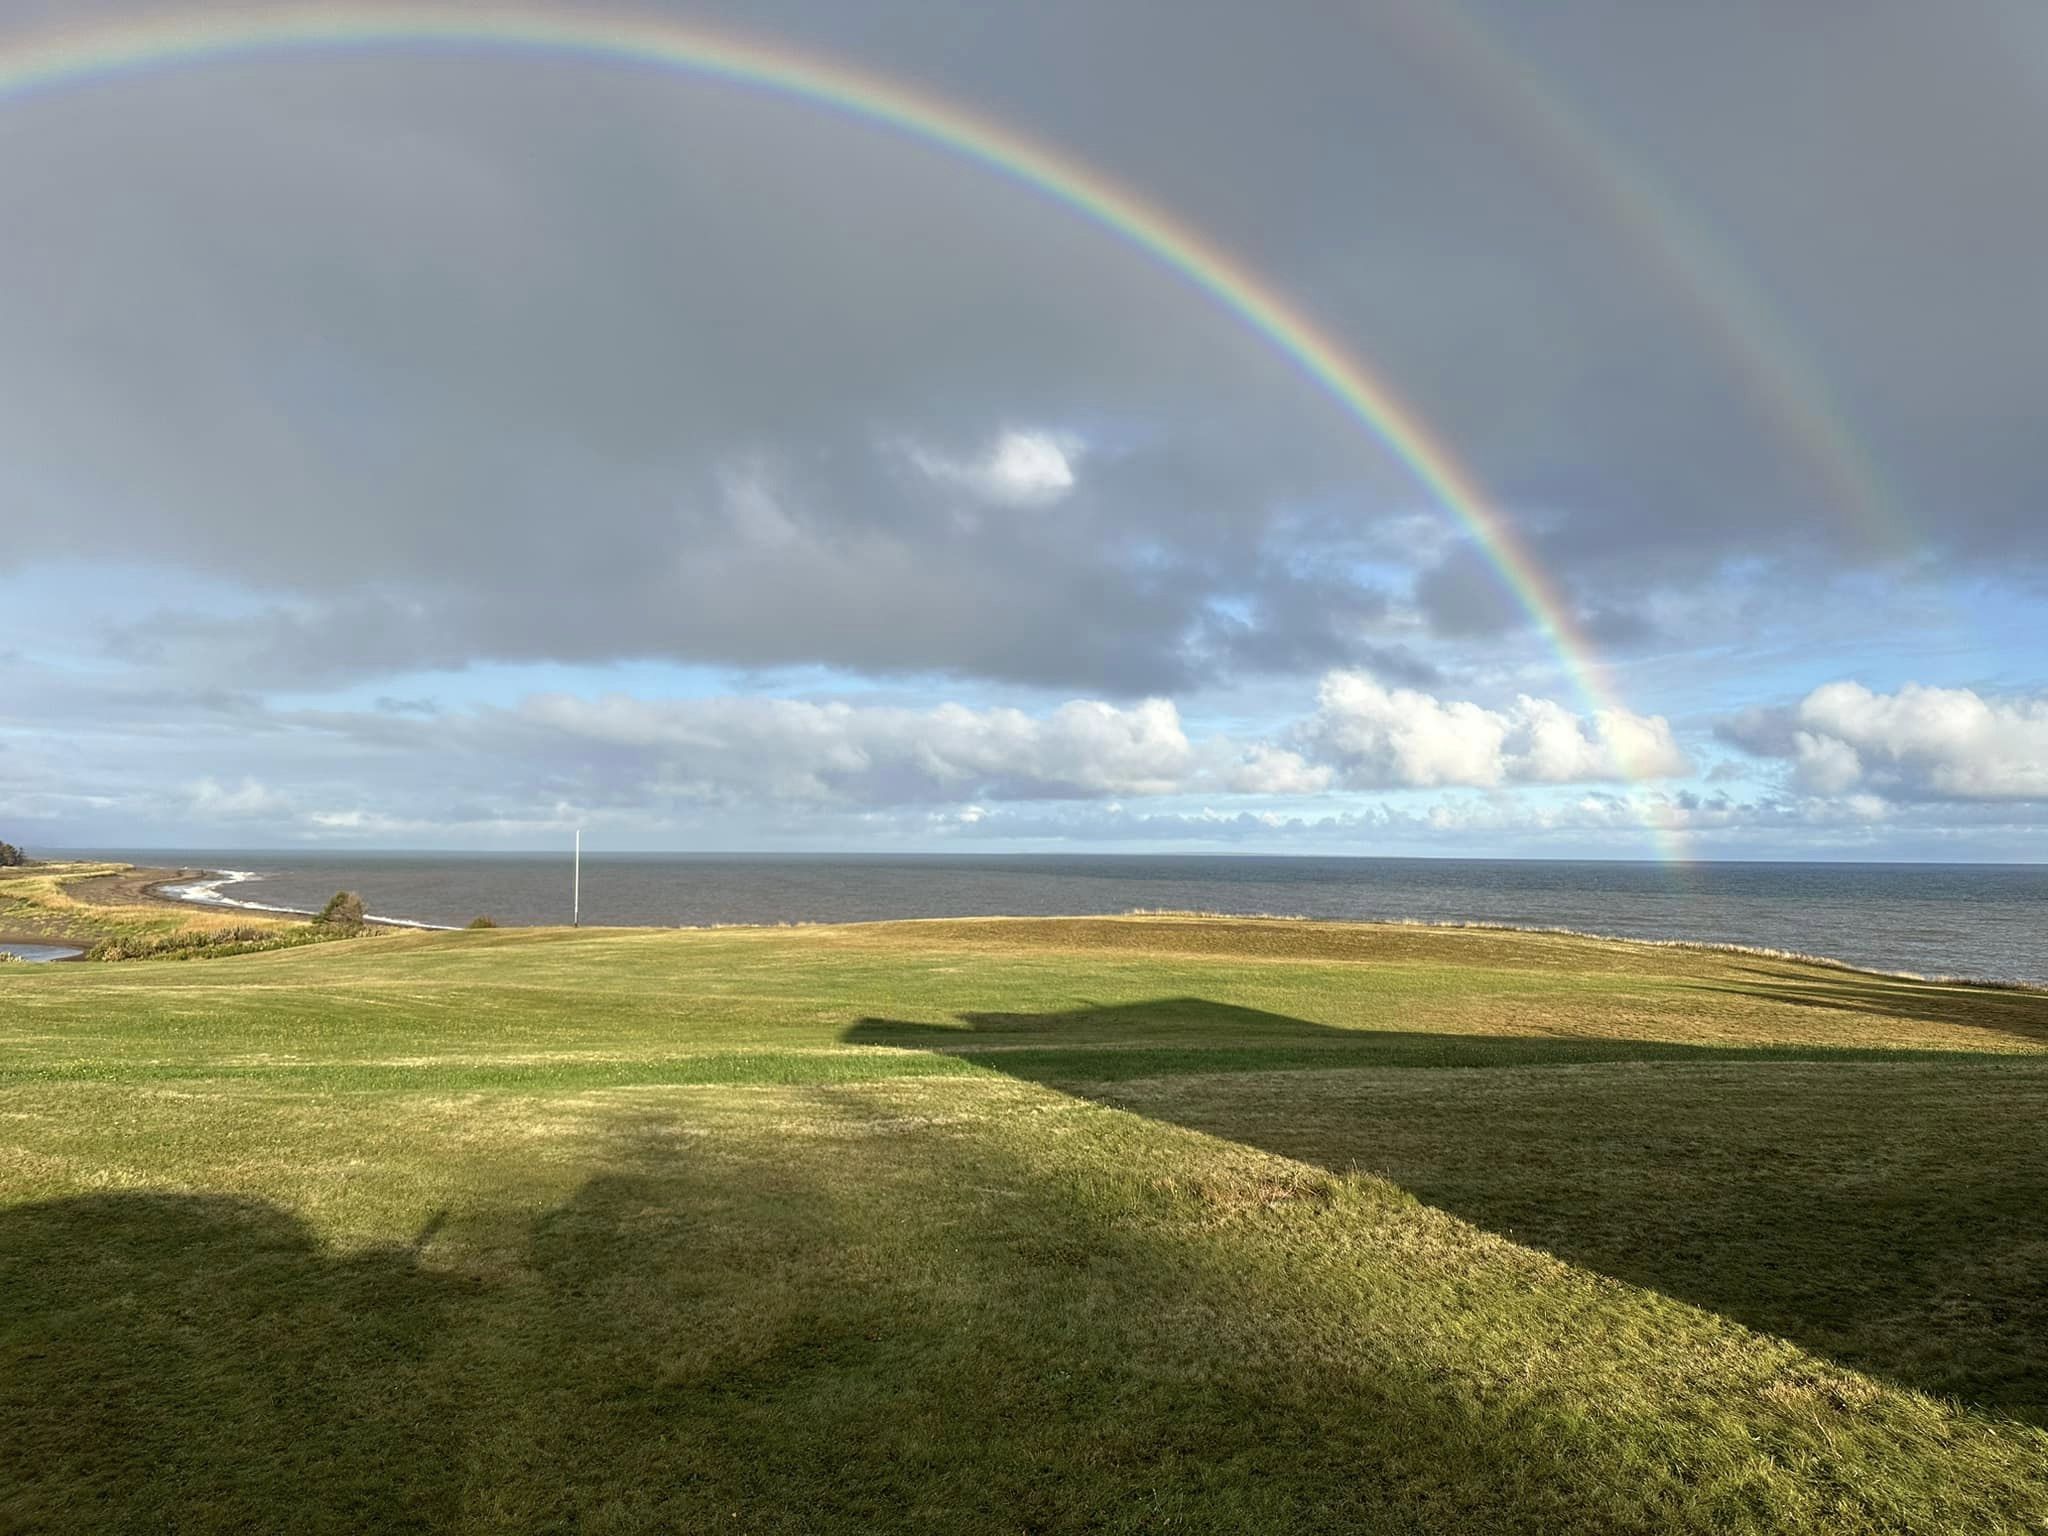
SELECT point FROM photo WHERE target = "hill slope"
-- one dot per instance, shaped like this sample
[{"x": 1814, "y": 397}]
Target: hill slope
[{"x": 1020, "y": 1224}]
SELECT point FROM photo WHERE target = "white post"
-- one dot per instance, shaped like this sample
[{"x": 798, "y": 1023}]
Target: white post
[{"x": 576, "y": 909}]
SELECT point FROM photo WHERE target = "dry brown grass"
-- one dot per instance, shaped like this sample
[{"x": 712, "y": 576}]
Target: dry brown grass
[{"x": 89, "y": 904}]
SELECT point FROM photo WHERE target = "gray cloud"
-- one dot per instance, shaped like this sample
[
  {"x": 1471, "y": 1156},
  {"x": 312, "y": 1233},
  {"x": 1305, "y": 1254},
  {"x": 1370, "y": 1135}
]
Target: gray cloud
[
  {"x": 460, "y": 358},
  {"x": 322, "y": 375},
  {"x": 1462, "y": 596}
]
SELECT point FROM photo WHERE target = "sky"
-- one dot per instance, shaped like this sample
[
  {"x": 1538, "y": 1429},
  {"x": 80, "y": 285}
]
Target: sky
[{"x": 454, "y": 446}]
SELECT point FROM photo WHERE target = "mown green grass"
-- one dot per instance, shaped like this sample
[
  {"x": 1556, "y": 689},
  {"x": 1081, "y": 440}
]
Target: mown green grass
[{"x": 1016, "y": 1225}]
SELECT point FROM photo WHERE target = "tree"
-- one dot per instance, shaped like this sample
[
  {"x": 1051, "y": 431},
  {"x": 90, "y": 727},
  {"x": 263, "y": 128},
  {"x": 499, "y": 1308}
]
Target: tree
[
  {"x": 343, "y": 910},
  {"x": 11, "y": 857},
  {"x": 482, "y": 922}
]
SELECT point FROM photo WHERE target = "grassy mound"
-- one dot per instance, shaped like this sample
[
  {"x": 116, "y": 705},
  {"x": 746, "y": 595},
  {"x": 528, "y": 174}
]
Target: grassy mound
[{"x": 1121, "y": 1224}]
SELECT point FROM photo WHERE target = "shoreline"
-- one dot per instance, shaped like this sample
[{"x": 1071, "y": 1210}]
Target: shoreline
[{"x": 160, "y": 890}]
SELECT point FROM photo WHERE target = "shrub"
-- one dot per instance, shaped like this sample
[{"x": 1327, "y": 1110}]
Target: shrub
[
  {"x": 11, "y": 857},
  {"x": 210, "y": 943},
  {"x": 151, "y": 946},
  {"x": 482, "y": 922},
  {"x": 344, "y": 909}
]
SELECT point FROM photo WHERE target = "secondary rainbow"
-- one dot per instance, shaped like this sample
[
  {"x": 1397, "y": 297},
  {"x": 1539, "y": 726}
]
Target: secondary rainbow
[
  {"x": 1735, "y": 314},
  {"x": 132, "y": 46}
]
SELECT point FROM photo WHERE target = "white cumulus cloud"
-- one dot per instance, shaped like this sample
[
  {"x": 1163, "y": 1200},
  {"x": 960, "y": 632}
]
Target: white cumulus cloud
[
  {"x": 840, "y": 751},
  {"x": 1264, "y": 769},
  {"x": 1019, "y": 469},
  {"x": 1387, "y": 738},
  {"x": 1926, "y": 742}
]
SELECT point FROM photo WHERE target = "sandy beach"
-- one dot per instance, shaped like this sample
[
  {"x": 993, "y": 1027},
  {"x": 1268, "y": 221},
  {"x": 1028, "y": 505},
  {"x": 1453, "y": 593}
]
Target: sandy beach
[{"x": 132, "y": 886}]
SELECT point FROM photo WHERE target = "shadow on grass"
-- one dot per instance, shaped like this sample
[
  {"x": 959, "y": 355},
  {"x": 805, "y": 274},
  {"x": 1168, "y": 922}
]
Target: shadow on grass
[
  {"x": 1894, "y": 1220},
  {"x": 687, "y": 1343},
  {"x": 1065, "y": 1370},
  {"x": 829, "y": 1329},
  {"x": 141, "y": 1333}
]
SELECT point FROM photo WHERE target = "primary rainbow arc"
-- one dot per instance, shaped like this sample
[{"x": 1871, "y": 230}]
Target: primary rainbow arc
[{"x": 112, "y": 50}]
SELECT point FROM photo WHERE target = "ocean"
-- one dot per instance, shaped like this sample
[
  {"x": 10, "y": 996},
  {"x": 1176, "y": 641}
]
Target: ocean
[{"x": 1982, "y": 921}]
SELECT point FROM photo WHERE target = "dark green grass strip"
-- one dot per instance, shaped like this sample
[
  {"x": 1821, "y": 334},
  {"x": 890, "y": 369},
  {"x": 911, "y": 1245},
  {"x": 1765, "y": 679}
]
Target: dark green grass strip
[{"x": 1049, "y": 1064}]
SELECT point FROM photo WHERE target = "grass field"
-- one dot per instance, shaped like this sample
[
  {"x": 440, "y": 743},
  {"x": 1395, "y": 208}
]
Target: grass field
[{"x": 1126, "y": 1224}]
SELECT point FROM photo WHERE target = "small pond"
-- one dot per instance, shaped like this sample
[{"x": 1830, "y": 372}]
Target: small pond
[{"x": 42, "y": 951}]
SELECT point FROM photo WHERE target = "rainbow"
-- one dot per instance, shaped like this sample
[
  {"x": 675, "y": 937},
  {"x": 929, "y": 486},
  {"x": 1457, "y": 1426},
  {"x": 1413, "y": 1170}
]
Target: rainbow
[{"x": 114, "y": 50}]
